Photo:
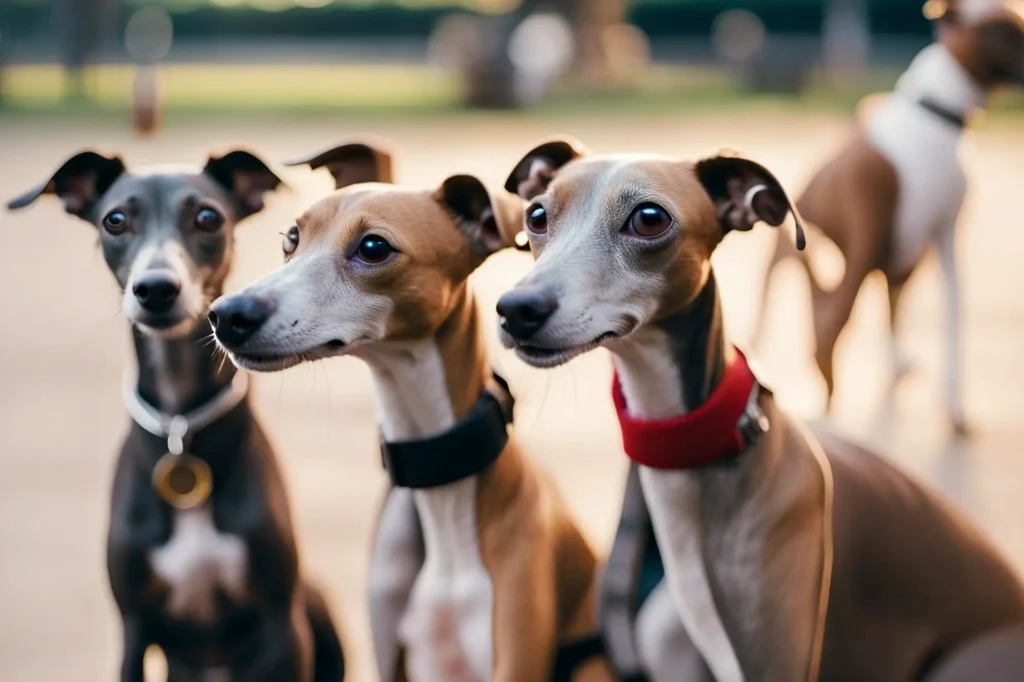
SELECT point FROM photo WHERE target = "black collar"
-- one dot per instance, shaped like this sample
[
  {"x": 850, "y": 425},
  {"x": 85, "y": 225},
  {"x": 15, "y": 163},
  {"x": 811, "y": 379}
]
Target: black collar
[
  {"x": 465, "y": 450},
  {"x": 947, "y": 115}
]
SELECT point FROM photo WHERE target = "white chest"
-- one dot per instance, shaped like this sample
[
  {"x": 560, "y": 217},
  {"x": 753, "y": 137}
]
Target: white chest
[
  {"x": 448, "y": 625},
  {"x": 924, "y": 151},
  {"x": 673, "y": 498},
  {"x": 198, "y": 560}
]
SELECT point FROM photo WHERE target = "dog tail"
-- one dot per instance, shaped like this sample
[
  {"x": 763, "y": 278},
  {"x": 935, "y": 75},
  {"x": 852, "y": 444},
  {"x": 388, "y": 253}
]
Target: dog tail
[
  {"x": 328, "y": 657},
  {"x": 784, "y": 250}
]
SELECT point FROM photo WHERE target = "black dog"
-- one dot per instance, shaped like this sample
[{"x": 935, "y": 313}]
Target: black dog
[{"x": 200, "y": 551}]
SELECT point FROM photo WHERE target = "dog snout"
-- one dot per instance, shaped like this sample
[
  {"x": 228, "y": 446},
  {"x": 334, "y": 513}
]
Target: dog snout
[
  {"x": 236, "y": 318},
  {"x": 157, "y": 290},
  {"x": 524, "y": 311}
]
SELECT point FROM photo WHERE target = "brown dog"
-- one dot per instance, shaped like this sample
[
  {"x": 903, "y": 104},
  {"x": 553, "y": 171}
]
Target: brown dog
[
  {"x": 380, "y": 273},
  {"x": 789, "y": 556},
  {"x": 896, "y": 190}
]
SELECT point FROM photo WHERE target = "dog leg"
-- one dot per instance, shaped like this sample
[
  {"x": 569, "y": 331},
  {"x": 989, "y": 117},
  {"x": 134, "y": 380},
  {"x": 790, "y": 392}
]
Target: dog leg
[
  {"x": 285, "y": 651},
  {"x": 900, "y": 363},
  {"x": 134, "y": 654},
  {"x": 954, "y": 352},
  {"x": 524, "y": 614},
  {"x": 328, "y": 657},
  {"x": 666, "y": 651},
  {"x": 995, "y": 657}
]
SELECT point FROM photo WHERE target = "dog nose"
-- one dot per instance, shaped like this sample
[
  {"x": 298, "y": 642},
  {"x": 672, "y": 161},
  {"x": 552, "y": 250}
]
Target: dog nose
[
  {"x": 157, "y": 291},
  {"x": 236, "y": 318},
  {"x": 524, "y": 311}
]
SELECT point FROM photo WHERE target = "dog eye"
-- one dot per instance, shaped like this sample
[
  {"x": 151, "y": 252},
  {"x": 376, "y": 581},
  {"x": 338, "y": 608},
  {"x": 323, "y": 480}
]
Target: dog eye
[
  {"x": 209, "y": 220},
  {"x": 290, "y": 240},
  {"x": 537, "y": 219},
  {"x": 649, "y": 220},
  {"x": 373, "y": 250},
  {"x": 115, "y": 222}
]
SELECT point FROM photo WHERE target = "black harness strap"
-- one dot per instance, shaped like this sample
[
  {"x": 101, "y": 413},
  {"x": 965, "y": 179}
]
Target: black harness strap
[
  {"x": 572, "y": 655},
  {"x": 951, "y": 117},
  {"x": 466, "y": 449},
  {"x": 617, "y": 605}
]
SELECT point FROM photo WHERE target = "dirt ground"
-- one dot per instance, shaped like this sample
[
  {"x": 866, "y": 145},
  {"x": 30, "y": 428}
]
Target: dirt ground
[{"x": 64, "y": 348}]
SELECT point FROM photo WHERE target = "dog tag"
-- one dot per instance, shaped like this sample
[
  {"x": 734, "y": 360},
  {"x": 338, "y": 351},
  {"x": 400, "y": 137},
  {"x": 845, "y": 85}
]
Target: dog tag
[{"x": 182, "y": 480}]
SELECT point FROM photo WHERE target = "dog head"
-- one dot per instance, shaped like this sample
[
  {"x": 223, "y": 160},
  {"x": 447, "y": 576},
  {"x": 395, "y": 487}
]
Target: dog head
[
  {"x": 985, "y": 36},
  {"x": 372, "y": 263},
  {"x": 166, "y": 232},
  {"x": 623, "y": 241}
]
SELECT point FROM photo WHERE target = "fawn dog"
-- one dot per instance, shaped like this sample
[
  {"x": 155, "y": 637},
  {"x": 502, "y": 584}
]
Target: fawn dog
[
  {"x": 897, "y": 188},
  {"x": 380, "y": 272},
  {"x": 200, "y": 550},
  {"x": 789, "y": 555}
]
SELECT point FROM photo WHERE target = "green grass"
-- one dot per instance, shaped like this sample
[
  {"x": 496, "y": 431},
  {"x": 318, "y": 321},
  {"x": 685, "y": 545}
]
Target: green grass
[{"x": 400, "y": 90}]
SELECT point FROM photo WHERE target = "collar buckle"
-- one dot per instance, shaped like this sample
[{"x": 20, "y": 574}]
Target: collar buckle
[
  {"x": 753, "y": 423},
  {"x": 176, "y": 430}
]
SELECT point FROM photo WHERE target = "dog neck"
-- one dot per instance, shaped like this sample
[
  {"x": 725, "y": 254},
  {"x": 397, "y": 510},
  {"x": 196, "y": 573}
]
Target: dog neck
[
  {"x": 670, "y": 367},
  {"x": 179, "y": 375},
  {"x": 937, "y": 75},
  {"x": 424, "y": 387}
]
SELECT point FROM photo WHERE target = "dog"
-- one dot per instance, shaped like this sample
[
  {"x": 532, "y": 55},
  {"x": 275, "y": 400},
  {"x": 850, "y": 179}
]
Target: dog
[
  {"x": 201, "y": 553},
  {"x": 499, "y": 585},
  {"x": 897, "y": 188},
  {"x": 789, "y": 555}
]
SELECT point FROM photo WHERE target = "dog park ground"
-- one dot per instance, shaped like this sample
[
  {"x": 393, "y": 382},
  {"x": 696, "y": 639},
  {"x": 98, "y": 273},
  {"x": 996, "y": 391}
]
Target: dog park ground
[{"x": 64, "y": 347}]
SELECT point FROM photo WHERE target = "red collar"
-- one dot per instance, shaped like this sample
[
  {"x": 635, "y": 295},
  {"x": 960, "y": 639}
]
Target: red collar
[{"x": 705, "y": 435}]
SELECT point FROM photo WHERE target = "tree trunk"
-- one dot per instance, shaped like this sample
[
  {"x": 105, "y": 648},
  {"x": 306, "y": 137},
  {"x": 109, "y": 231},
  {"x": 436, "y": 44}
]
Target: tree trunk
[{"x": 82, "y": 25}]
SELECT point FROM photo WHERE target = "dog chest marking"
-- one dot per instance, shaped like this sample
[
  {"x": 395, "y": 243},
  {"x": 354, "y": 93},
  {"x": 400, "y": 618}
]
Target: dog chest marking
[
  {"x": 197, "y": 560},
  {"x": 447, "y": 628}
]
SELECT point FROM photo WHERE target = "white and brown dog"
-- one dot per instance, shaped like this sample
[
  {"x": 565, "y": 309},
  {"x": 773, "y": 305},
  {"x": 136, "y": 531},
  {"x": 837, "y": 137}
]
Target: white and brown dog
[
  {"x": 788, "y": 555},
  {"x": 500, "y": 583},
  {"x": 897, "y": 188}
]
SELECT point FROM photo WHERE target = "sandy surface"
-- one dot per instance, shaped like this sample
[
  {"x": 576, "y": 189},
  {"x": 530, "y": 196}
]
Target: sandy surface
[{"x": 63, "y": 349}]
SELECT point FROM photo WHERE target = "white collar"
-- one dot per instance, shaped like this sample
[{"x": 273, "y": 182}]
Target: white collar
[{"x": 173, "y": 427}]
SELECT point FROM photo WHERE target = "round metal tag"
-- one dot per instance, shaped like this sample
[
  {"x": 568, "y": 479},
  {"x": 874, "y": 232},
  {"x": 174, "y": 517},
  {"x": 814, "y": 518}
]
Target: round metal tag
[{"x": 183, "y": 481}]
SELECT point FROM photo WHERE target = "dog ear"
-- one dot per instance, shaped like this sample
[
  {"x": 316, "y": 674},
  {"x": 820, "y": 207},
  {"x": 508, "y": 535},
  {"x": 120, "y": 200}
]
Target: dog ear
[
  {"x": 489, "y": 222},
  {"x": 745, "y": 193},
  {"x": 534, "y": 172},
  {"x": 245, "y": 176},
  {"x": 351, "y": 163},
  {"x": 79, "y": 183},
  {"x": 934, "y": 10}
]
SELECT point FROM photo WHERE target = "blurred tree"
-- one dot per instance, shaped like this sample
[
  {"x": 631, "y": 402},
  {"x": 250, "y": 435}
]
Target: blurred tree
[
  {"x": 82, "y": 26},
  {"x": 846, "y": 37}
]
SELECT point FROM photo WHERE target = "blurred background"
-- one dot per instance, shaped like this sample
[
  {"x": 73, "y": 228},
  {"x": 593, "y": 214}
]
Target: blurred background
[{"x": 456, "y": 87}]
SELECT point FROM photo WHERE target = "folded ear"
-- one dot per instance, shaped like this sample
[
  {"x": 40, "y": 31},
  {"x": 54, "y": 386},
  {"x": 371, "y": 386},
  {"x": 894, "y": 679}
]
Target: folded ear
[
  {"x": 489, "y": 222},
  {"x": 245, "y": 176},
  {"x": 79, "y": 183},
  {"x": 534, "y": 172},
  {"x": 351, "y": 164},
  {"x": 745, "y": 192}
]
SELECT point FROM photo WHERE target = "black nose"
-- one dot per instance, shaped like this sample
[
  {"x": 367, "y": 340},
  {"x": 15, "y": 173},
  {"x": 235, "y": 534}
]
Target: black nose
[
  {"x": 157, "y": 291},
  {"x": 236, "y": 318},
  {"x": 524, "y": 311}
]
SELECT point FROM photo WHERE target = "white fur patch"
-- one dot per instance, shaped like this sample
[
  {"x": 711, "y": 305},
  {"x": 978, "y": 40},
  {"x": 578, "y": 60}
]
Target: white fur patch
[
  {"x": 447, "y": 629},
  {"x": 196, "y": 561},
  {"x": 923, "y": 150}
]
